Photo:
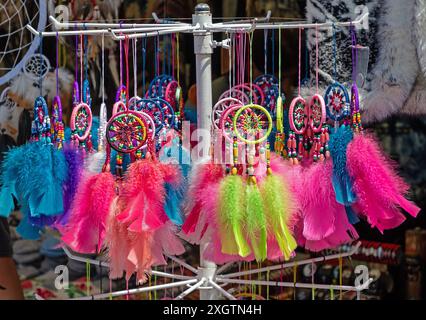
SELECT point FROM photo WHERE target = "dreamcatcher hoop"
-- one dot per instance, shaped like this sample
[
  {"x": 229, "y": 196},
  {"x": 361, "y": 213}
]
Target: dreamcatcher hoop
[
  {"x": 119, "y": 106},
  {"x": 121, "y": 94},
  {"x": 168, "y": 112},
  {"x": 254, "y": 120},
  {"x": 236, "y": 94},
  {"x": 336, "y": 101},
  {"x": 220, "y": 107},
  {"x": 247, "y": 89},
  {"x": 154, "y": 110},
  {"x": 81, "y": 121},
  {"x": 316, "y": 113},
  {"x": 17, "y": 68},
  {"x": 126, "y": 132},
  {"x": 265, "y": 81},
  {"x": 226, "y": 123},
  {"x": 297, "y": 115},
  {"x": 75, "y": 93},
  {"x": 37, "y": 66},
  {"x": 171, "y": 95}
]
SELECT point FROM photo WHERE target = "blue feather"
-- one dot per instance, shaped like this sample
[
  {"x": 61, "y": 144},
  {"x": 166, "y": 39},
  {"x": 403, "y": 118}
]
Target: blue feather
[
  {"x": 342, "y": 183},
  {"x": 174, "y": 196},
  {"x": 172, "y": 204}
]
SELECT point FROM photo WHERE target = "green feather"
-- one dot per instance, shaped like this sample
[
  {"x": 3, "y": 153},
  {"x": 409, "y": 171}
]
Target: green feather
[
  {"x": 277, "y": 201},
  {"x": 256, "y": 222},
  {"x": 232, "y": 216}
]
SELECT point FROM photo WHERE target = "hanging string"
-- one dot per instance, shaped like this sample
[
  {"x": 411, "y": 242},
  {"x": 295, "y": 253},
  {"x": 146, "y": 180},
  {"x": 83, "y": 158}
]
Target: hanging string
[
  {"x": 40, "y": 56},
  {"x": 229, "y": 64},
  {"x": 354, "y": 53},
  {"x": 267, "y": 287},
  {"x": 81, "y": 67},
  {"x": 86, "y": 60},
  {"x": 300, "y": 50},
  {"x": 121, "y": 63},
  {"x": 126, "y": 53},
  {"x": 273, "y": 51},
  {"x": 316, "y": 56},
  {"x": 173, "y": 55},
  {"x": 135, "y": 68},
  {"x": 143, "y": 63},
  {"x": 312, "y": 280},
  {"x": 177, "y": 59},
  {"x": 334, "y": 52},
  {"x": 103, "y": 68},
  {"x": 164, "y": 55},
  {"x": 279, "y": 62},
  {"x": 57, "y": 64},
  {"x": 76, "y": 56},
  {"x": 251, "y": 66},
  {"x": 265, "y": 49}
]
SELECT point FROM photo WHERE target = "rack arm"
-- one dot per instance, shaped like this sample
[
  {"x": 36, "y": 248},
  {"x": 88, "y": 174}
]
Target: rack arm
[
  {"x": 64, "y": 25},
  {"x": 298, "y": 263}
]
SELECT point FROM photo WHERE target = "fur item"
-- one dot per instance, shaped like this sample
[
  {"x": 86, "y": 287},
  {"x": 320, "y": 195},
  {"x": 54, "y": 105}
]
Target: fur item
[
  {"x": 397, "y": 66},
  {"x": 86, "y": 230},
  {"x": 379, "y": 189},
  {"x": 420, "y": 26}
]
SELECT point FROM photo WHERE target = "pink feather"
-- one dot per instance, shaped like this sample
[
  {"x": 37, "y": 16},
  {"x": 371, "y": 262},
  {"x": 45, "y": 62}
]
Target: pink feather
[
  {"x": 379, "y": 190},
  {"x": 322, "y": 223},
  {"x": 116, "y": 241},
  {"x": 143, "y": 192},
  {"x": 86, "y": 230},
  {"x": 203, "y": 176}
]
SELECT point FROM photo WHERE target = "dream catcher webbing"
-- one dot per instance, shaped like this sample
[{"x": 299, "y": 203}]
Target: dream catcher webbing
[
  {"x": 81, "y": 116},
  {"x": 126, "y": 131},
  {"x": 57, "y": 124},
  {"x": 336, "y": 96}
]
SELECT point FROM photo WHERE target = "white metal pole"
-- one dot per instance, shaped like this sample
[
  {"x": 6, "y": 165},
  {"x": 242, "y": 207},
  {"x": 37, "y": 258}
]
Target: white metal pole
[{"x": 203, "y": 51}]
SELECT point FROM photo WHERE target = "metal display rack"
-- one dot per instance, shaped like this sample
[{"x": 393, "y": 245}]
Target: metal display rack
[{"x": 207, "y": 278}]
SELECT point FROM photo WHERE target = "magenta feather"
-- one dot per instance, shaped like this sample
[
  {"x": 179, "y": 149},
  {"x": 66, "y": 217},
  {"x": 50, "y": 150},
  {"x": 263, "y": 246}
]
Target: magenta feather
[
  {"x": 202, "y": 178},
  {"x": 380, "y": 191},
  {"x": 322, "y": 222},
  {"x": 86, "y": 230}
]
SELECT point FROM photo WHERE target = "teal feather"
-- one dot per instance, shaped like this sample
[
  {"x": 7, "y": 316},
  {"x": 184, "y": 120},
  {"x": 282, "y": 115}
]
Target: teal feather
[{"x": 342, "y": 183}]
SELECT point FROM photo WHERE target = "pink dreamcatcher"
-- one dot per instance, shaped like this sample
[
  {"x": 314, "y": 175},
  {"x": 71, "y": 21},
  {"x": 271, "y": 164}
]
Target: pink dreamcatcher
[
  {"x": 220, "y": 107},
  {"x": 252, "y": 90}
]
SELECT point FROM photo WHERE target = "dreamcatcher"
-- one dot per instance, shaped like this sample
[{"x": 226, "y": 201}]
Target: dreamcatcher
[
  {"x": 18, "y": 48},
  {"x": 81, "y": 116},
  {"x": 336, "y": 96}
]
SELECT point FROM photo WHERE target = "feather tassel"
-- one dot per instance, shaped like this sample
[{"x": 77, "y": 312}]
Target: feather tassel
[
  {"x": 232, "y": 216},
  {"x": 379, "y": 189}
]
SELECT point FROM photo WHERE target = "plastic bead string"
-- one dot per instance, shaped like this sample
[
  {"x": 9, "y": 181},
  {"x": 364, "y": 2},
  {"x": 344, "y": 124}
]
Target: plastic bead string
[
  {"x": 279, "y": 136},
  {"x": 40, "y": 126},
  {"x": 57, "y": 124},
  {"x": 355, "y": 113}
]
